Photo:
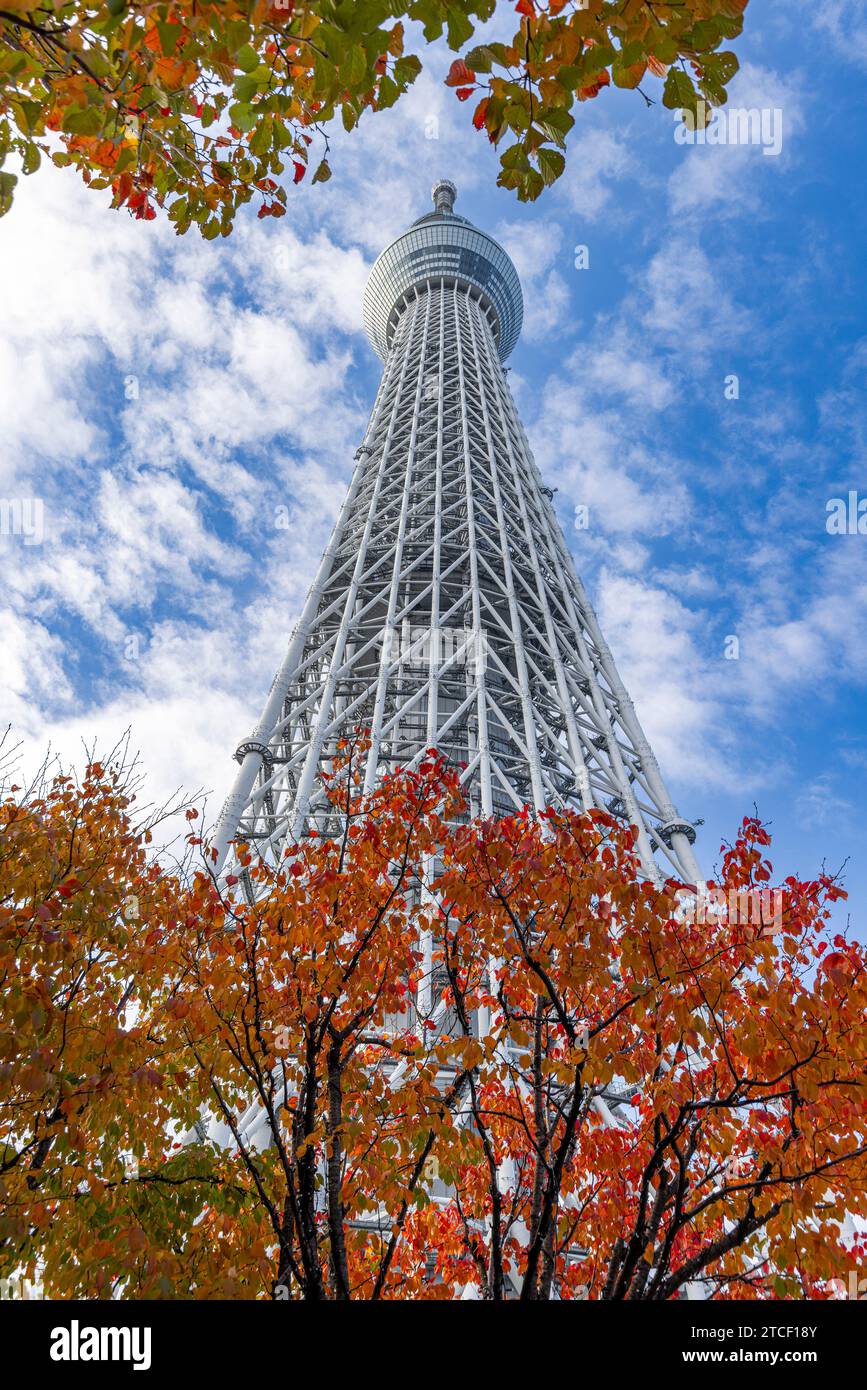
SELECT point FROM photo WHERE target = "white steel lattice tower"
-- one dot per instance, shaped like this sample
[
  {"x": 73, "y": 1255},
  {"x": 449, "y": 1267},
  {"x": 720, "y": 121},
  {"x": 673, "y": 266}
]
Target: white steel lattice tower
[{"x": 447, "y": 611}]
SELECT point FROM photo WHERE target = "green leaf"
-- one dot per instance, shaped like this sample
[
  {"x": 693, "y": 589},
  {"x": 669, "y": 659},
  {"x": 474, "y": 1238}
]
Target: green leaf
[
  {"x": 237, "y": 33},
  {"x": 247, "y": 58},
  {"x": 242, "y": 116},
  {"x": 517, "y": 116},
  {"x": 27, "y": 115},
  {"x": 334, "y": 43},
  {"x": 260, "y": 141},
  {"x": 31, "y": 158},
  {"x": 460, "y": 27},
  {"x": 724, "y": 65},
  {"x": 665, "y": 49},
  {"x": 480, "y": 59},
  {"x": 246, "y": 87},
  {"x": 87, "y": 122},
  {"x": 407, "y": 69},
  {"x": 556, "y": 123},
  {"x": 169, "y": 35},
  {"x": 126, "y": 159},
  {"x": 533, "y": 185},
  {"x": 679, "y": 92},
  {"x": 632, "y": 53},
  {"x": 710, "y": 88},
  {"x": 388, "y": 93},
  {"x": 324, "y": 73},
  {"x": 551, "y": 164},
  {"x": 597, "y": 58},
  {"x": 112, "y": 21},
  {"x": 704, "y": 35},
  {"x": 569, "y": 77},
  {"x": 282, "y": 137},
  {"x": 354, "y": 68},
  {"x": 428, "y": 13},
  {"x": 7, "y": 188},
  {"x": 323, "y": 173},
  {"x": 515, "y": 159}
]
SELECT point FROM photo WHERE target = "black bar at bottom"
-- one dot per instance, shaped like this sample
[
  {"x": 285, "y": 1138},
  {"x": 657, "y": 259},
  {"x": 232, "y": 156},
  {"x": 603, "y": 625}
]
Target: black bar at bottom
[{"x": 239, "y": 1343}]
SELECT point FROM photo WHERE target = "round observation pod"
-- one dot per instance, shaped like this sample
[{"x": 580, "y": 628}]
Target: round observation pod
[{"x": 443, "y": 247}]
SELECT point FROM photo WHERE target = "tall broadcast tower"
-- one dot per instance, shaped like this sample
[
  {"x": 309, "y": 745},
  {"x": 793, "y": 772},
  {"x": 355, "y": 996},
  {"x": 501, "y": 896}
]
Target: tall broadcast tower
[{"x": 447, "y": 611}]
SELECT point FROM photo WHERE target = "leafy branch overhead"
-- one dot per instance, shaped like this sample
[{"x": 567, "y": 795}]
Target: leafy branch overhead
[{"x": 198, "y": 108}]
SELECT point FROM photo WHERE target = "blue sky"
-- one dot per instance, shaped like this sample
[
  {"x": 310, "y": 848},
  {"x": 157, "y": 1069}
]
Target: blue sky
[{"x": 168, "y": 399}]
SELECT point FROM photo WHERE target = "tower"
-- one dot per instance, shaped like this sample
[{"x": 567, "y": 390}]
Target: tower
[{"x": 447, "y": 611}]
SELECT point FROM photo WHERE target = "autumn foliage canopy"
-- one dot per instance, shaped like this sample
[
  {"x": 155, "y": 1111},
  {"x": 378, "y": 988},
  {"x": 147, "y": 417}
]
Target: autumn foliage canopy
[
  {"x": 424, "y": 1059},
  {"x": 198, "y": 107}
]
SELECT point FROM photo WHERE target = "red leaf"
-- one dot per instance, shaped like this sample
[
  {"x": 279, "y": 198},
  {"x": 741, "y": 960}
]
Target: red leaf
[
  {"x": 459, "y": 74},
  {"x": 479, "y": 121},
  {"x": 603, "y": 79},
  {"x": 300, "y": 170},
  {"x": 835, "y": 961}
]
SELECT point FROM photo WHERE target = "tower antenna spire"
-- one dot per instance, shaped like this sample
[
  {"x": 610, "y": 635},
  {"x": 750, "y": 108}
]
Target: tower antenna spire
[{"x": 444, "y": 194}]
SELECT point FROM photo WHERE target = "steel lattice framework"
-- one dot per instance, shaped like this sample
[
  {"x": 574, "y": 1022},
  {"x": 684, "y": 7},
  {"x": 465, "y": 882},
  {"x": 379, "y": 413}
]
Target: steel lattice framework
[{"x": 447, "y": 611}]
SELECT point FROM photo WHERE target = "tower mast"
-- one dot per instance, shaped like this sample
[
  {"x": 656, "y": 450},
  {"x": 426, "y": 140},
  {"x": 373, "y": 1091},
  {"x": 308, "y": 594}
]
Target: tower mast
[{"x": 447, "y": 611}]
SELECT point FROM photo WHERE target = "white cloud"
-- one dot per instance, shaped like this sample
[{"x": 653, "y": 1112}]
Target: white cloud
[
  {"x": 818, "y": 805},
  {"x": 687, "y": 305},
  {"x": 592, "y": 430},
  {"x": 844, "y": 25},
  {"x": 819, "y": 638},
  {"x": 33, "y": 668},
  {"x": 161, "y": 502},
  {"x": 615, "y": 367},
  {"x": 535, "y": 249},
  {"x": 595, "y": 161},
  {"x": 656, "y": 642},
  {"x": 71, "y": 275}
]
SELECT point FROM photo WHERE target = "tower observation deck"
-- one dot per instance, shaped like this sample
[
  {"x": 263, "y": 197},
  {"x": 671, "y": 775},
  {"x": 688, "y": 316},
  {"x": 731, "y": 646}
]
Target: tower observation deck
[{"x": 447, "y": 611}]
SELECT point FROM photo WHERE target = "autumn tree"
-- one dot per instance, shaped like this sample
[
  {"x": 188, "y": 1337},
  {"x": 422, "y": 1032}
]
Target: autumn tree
[
  {"x": 676, "y": 1095},
  {"x": 201, "y": 1099},
  {"x": 420, "y": 1058},
  {"x": 197, "y": 108},
  {"x": 81, "y": 1099}
]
